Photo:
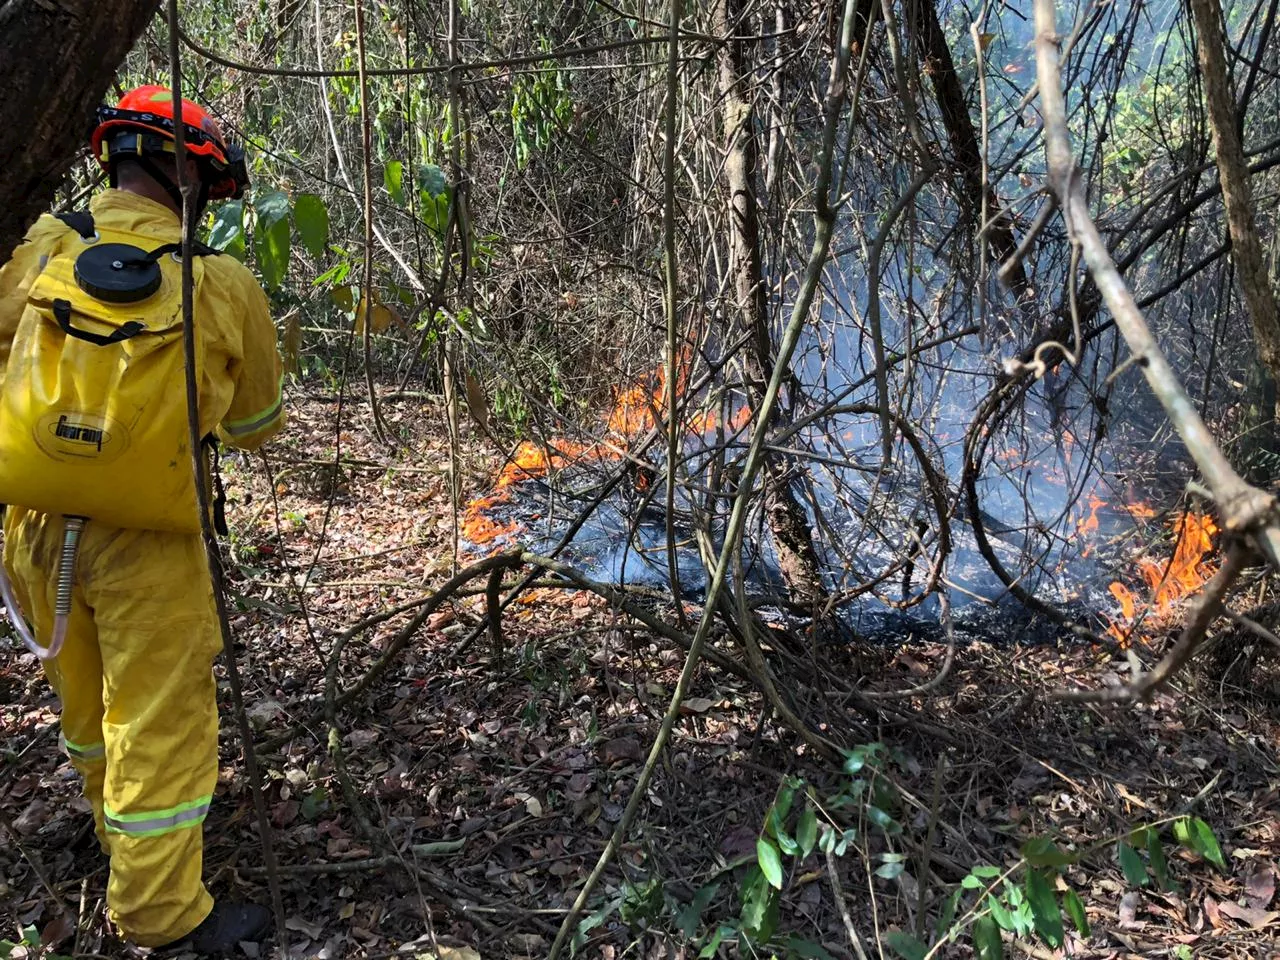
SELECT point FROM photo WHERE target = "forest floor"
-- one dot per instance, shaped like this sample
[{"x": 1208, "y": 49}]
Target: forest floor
[{"x": 491, "y": 784}]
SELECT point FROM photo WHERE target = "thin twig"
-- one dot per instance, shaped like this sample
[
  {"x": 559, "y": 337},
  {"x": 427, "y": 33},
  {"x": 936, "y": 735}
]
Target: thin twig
[{"x": 200, "y": 468}]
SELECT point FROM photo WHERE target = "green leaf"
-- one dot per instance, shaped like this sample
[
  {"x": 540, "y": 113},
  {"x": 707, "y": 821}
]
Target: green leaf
[
  {"x": 271, "y": 237},
  {"x": 1074, "y": 906},
  {"x": 759, "y": 908},
  {"x": 880, "y": 818},
  {"x": 782, "y": 806},
  {"x": 689, "y": 918},
  {"x": 1159, "y": 865},
  {"x": 905, "y": 945},
  {"x": 776, "y": 828},
  {"x": 828, "y": 841},
  {"x": 311, "y": 217},
  {"x": 1000, "y": 913},
  {"x": 591, "y": 921},
  {"x": 713, "y": 945},
  {"x": 889, "y": 871},
  {"x": 770, "y": 862},
  {"x": 1043, "y": 852},
  {"x": 432, "y": 181},
  {"x": 227, "y": 232},
  {"x": 271, "y": 207},
  {"x": 393, "y": 180},
  {"x": 1134, "y": 870},
  {"x": 1206, "y": 843},
  {"x": 1182, "y": 832},
  {"x": 1044, "y": 908},
  {"x": 807, "y": 831},
  {"x": 1183, "y": 952},
  {"x": 987, "y": 944}
]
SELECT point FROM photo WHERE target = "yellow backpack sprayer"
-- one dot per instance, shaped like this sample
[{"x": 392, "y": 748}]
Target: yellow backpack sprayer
[{"x": 92, "y": 420}]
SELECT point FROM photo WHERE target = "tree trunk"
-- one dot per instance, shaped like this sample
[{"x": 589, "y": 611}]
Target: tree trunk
[
  {"x": 46, "y": 113},
  {"x": 935, "y": 55},
  {"x": 788, "y": 522},
  {"x": 1237, "y": 197}
]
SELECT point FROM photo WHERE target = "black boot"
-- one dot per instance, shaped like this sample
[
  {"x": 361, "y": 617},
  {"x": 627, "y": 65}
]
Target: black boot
[{"x": 227, "y": 925}]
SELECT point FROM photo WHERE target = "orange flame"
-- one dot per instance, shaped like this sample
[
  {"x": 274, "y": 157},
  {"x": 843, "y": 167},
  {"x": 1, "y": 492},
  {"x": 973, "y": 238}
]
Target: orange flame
[
  {"x": 1171, "y": 582},
  {"x": 635, "y": 412}
]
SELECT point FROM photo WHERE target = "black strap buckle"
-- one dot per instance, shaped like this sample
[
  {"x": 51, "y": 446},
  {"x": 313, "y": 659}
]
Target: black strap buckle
[{"x": 219, "y": 504}]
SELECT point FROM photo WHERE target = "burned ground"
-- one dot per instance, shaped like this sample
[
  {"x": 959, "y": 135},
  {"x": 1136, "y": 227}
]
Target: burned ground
[{"x": 492, "y": 783}]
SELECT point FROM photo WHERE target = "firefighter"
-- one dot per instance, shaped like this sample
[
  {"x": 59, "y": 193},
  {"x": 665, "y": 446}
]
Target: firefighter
[{"x": 91, "y": 405}]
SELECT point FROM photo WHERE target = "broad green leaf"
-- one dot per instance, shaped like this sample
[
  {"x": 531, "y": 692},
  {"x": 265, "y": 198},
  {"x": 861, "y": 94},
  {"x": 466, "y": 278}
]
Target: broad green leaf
[
  {"x": 776, "y": 828},
  {"x": 1000, "y": 913},
  {"x": 1044, "y": 908},
  {"x": 1074, "y": 906},
  {"x": 854, "y": 762},
  {"x": 828, "y": 841},
  {"x": 987, "y": 944},
  {"x": 271, "y": 236},
  {"x": 1183, "y": 952},
  {"x": 432, "y": 181},
  {"x": 759, "y": 908},
  {"x": 311, "y": 217},
  {"x": 691, "y": 915},
  {"x": 986, "y": 871},
  {"x": 271, "y": 245},
  {"x": 713, "y": 945},
  {"x": 591, "y": 921},
  {"x": 1159, "y": 866},
  {"x": 770, "y": 862},
  {"x": 227, "y": 232},
  {"x": 879, "y": 817},
  {"x": 889, "y": 871},
  {"x": 807, "y": 831},
  {"x": 786, "y": 796},
  {"x": 1134, "y": 870},
  {"x": 271, "y": 207},
  {"x": 1043, "y": 852},
  {"x": 1207, "y": 844},
  {"x": 393, "y": 180},
  {"x": 905, "y": 945}
]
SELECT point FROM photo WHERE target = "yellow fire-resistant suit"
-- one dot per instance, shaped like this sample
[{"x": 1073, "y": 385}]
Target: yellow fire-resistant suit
[{"x": 139, "y": 716}]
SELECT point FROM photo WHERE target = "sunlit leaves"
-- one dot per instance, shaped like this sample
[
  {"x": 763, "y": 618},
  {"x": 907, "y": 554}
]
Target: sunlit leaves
[
  {"x": 227, "y": 233},
  {"x": 311, "y": 217},
  {"x": 271, "y": 237}
]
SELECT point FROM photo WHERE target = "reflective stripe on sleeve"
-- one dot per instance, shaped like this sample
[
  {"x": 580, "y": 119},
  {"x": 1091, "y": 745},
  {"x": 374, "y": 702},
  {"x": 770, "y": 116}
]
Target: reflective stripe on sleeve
[
  {"x": 157, "y": 822},
  {"x": 252, "y": 424},
  {"x": 83, "y": 751}
]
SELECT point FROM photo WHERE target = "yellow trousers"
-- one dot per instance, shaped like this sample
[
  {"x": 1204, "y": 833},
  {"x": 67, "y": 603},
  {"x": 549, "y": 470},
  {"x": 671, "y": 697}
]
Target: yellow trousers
[{"x": 139, "y": 709}]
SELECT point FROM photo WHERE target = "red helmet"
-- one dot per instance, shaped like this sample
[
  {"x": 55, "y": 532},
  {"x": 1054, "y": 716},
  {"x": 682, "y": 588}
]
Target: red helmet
[{"x": 143, "y": 124}]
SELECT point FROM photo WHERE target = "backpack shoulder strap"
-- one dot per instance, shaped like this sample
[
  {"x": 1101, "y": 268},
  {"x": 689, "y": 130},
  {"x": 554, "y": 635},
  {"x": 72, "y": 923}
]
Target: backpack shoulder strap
[{"x": 81, "y": 221}]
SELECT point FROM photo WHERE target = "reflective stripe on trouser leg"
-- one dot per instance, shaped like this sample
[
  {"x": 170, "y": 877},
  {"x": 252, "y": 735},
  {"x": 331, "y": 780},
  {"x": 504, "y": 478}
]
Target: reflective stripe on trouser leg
[
  {"x": 158, "y": 635},
  {"x": 31, "y": 548}
]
